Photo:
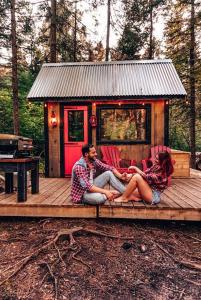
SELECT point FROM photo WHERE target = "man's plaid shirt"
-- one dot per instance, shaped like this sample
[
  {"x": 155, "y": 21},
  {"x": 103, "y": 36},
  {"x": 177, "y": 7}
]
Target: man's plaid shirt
[{"x": 81, "y": 177}]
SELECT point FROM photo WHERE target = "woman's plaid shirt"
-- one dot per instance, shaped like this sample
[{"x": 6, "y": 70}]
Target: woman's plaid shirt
[
  {"x": 81, "y": 176},
  {"x": 156, "y": 178}
]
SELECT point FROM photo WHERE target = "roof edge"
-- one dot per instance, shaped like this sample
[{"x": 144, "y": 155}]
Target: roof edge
[
  {"x": 106, "y": 98},
  {"x": 122, "y": 62}
]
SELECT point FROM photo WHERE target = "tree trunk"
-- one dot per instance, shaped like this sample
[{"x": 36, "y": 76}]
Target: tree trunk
[
  {"x": 53, "y": 54},
  {"x": 151, "y": 31},
  {"x": 192, "y": 84},
  {"x": 14, "y": 70},
  {"x": 75, "y": 34},
  {"x": 108, "y": 31}
]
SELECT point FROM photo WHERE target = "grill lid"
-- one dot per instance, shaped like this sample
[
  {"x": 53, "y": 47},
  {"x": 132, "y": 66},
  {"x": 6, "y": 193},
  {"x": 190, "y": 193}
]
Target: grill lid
[
  {"x": 14, "y": 142},
  {"x": 12, "y": 137}
]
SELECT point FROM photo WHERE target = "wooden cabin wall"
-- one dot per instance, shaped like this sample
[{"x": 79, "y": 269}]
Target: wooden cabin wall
[
  {"x": 54, "y": 141},
  {"x": 140, "y": 151}
]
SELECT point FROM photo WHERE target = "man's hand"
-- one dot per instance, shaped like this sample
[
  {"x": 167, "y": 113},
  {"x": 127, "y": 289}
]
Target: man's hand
[
  {"x": 109, "y": 195},
  {"x": 124, "y": 176},
  {"x": 115, "y": 193}
]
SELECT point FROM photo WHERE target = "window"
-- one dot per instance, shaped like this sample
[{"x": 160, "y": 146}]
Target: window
[
  {"x": 75, "y": 125},
  {"x": 124, "y": 124}
]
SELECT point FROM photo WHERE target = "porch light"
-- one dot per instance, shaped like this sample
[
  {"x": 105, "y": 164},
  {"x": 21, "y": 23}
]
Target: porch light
[
  {"x": 53, "y": 119},
  {"x": 119, "y": 103},
  {"x": 93, "y": 121}
]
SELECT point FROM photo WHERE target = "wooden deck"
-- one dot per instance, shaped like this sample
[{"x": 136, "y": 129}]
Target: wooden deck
[{"x": 181, "y": 201}]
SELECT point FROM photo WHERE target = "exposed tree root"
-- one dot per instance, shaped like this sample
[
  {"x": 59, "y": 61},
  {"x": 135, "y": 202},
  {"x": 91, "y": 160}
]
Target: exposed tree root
[
  {"x": 53, "y": 277},
  {"x": 72, "y": 245},
  {"x": 193, "y": 282},
  {"x": 184, "y": 263}
]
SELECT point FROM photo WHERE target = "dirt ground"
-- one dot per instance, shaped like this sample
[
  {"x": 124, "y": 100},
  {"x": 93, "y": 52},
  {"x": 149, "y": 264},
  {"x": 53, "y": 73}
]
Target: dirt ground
[{"x": 107, "y": 259}]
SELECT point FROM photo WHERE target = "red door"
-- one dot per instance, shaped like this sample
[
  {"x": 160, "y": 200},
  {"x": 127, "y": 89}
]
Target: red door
[{"x": 75, "y": 134}]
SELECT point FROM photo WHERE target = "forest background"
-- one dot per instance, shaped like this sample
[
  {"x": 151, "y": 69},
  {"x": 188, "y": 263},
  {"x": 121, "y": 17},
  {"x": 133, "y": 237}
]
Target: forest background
[{"x": 38, "y": 31}]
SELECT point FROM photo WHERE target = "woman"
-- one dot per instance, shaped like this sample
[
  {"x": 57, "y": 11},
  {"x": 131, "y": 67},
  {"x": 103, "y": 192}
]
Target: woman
[{"x": 149, "y": 185}]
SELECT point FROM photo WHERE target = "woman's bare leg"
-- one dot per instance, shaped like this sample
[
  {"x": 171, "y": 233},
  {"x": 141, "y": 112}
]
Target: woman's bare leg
[
  {"x": 144, "y": 190},
  {"x": 135, "y": 196}
]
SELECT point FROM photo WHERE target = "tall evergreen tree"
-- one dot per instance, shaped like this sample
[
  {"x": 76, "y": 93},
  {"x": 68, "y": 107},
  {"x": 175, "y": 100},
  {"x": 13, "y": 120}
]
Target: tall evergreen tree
[
  {"x": 108, "y": 30},
  {"x": 14, "y": 69},
  {"x": 71, "y": 38},
  {"x": 181, "y": 34},
  {"x": 137, "y": 36},
  {"x": 53, "y": 54}
]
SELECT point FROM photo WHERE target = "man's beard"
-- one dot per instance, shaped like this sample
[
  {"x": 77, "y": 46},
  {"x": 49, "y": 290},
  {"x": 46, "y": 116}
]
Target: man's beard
[{"x": 91, "y": 158}]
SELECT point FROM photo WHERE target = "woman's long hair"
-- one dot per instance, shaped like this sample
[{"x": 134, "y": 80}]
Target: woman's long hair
[{"x": 165, "y": 162}]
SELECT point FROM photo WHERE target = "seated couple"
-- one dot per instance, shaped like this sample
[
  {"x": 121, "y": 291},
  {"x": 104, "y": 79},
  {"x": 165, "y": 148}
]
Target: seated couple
[{"x": 89, "y": 189}]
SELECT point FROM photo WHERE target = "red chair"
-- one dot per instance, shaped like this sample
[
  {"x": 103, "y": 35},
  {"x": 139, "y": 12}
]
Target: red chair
[
  {"x": 147, "y": 163},
  {"x": 111, "y": 156}
]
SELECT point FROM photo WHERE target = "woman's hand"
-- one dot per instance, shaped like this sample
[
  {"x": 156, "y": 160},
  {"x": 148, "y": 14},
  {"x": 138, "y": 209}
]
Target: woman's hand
[
  {"x": 131, "y": 168},
  {"x": 135, "y": 169}
]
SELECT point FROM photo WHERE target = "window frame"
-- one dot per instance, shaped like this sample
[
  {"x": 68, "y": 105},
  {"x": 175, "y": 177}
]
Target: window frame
[{"x": 124, "y": 106}]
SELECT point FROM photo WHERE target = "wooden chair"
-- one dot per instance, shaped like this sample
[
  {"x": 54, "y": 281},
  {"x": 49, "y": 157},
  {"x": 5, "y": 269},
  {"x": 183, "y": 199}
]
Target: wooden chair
[
  {"x": 111, "y": 156},
  {"x": 147, "y": 163}
]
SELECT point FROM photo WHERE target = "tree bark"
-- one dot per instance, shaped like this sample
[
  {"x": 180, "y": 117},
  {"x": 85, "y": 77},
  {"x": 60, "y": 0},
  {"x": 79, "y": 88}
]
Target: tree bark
[
  {"x": 53, "y": 53},
  {"x": 151, "y": 31},
  {"x": 108, "y": 31},
  {"x": 14, "y": 70},
  {"x": 192, "y": 84},
  {"x": 75, "y": 34}
]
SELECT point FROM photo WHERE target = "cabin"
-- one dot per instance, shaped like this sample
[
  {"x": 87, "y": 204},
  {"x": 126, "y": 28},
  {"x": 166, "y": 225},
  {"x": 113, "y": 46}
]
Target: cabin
[{"x": 122, "y": 103}]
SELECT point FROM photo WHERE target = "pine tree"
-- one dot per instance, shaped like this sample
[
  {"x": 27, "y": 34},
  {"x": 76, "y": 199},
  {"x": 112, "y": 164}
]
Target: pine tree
[
  {"x": 181, "y": 34},
  {"x": 138, "y": 36},
  {"x": 71, "y": 38}
]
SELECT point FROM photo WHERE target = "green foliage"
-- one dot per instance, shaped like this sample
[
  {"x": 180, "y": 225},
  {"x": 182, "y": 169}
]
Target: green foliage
[
  {"x": 6, "y": 111},
  {"x": 67, "y": 43},
  {"x": 130, "y": 43},
  {"x": 137, "y": 36},
  {"x": 31, "y": 114},
  {"x": 179, "y": 130},
  {"x": 177, "y": 47}
]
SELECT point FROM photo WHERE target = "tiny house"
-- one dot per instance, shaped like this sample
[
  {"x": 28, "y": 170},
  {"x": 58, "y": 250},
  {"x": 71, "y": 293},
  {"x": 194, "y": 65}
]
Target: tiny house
[{"x": 123, "y": 103}]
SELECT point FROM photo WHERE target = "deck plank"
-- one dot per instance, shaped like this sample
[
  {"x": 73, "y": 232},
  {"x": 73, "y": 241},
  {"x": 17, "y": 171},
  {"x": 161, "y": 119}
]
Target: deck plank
[
  {"x": 181, "y": 201},
  {"x": 192, "y": 196}
]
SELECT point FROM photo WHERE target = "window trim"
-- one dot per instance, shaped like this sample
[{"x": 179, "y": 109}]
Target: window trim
[{"x": 124, "y": 106}]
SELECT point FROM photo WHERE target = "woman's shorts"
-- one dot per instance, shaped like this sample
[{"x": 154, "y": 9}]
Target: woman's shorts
[{"x": 156, "y": 197}]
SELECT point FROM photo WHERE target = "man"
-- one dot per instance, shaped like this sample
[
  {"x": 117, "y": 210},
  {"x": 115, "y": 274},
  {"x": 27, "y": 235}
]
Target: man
[{"x": 86, "y": 189}]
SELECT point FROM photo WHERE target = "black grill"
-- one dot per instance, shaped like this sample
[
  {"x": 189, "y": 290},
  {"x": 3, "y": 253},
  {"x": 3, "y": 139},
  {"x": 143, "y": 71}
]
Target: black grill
[{"x": 14, "y": 146}]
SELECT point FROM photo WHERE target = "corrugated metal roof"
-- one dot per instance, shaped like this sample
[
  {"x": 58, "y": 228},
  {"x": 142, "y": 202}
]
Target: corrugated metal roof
[{"x": 143, "y": 78}]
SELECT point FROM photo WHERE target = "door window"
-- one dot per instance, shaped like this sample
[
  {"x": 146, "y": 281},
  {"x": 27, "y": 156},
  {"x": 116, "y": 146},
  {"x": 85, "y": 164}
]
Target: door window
[{"x": 75, "y": 125}]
